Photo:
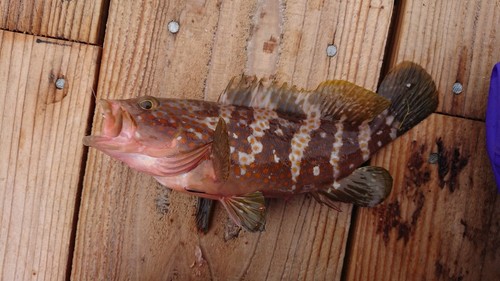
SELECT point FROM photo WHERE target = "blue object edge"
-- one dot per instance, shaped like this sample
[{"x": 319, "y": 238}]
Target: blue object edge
[{"x": 493, "y": 123}]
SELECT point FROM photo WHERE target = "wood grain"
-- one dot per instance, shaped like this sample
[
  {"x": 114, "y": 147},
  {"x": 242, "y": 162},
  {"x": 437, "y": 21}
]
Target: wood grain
[
  {"x": 441, "y": 220},
  {"x": 75, "y": 20},
  {"x": 121, "y": 233},
  {"x": 41, "y": 151},
  {"x": 456, "y": 41}
]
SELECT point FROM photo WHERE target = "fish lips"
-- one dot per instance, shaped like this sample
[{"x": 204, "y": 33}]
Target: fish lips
[{"x": 118, "y": 126}]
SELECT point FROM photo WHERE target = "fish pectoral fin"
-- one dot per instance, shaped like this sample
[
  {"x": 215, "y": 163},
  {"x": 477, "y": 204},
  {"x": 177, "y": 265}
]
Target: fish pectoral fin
[
  {"x": 365, "y": 187},
  {"x": 221, "y": 155},
  {"x": 247, "y": 211}
]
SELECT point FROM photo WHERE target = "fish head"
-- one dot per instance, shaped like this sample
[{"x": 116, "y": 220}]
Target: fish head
[{"x": 143, "y": 127}]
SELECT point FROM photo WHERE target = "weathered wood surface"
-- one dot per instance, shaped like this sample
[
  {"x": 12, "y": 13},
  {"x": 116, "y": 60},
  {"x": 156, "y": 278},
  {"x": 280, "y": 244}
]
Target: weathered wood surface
[
  {"x": 441, "y": 220},
  {"x": 75, "y": 20},
  {"x": 121, "y": 233},
  {"x": 41, "y": 151},
  {"x": 456, "y": 41},
  {"x": 131, "y": 228}
]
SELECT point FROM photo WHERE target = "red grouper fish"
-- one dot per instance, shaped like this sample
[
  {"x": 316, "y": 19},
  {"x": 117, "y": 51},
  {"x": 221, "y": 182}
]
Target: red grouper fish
[{"x": 265, "y": 140}]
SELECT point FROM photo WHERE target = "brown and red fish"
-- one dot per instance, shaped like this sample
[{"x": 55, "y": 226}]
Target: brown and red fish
[{"x": 269, "y": 141}]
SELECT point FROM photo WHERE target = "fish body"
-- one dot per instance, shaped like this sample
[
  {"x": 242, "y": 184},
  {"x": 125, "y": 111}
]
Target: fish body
[{"x": 263, "y": 140}]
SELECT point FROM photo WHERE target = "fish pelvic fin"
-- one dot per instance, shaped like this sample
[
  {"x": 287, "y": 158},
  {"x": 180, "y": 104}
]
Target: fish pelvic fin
[
  {"x": 221, "y": 154},
  {"x": 247, "y": 211},
  {"x": 413, "y": 95},
  {"x": 332, "y": 100},
  {"x": 365, "y": 187}
]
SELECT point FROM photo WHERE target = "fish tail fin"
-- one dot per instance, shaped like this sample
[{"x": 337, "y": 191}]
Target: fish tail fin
[
  {"x": 413, "y": 95},
  {"x": 365, "y": 187}
]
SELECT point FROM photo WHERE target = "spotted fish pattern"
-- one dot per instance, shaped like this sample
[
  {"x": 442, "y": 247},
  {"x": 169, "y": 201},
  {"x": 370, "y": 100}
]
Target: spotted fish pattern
[{"x": 264, "y": 140}]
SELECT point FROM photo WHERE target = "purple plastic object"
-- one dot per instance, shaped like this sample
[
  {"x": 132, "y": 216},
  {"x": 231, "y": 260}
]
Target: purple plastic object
[{"x": 493, "y": 123}]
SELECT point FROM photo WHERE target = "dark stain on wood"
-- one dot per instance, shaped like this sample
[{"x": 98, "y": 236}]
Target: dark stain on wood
[
  {"x": 450, "y": 162},
  {"x": 162, "y": 201},
  {"x": 462, "y": 64},
  {"x": 270, "y": 45},
  {"x": 417, "y": 174},
  {"x": 231, "y": 230},
  {"x": 443, "y": 272}
]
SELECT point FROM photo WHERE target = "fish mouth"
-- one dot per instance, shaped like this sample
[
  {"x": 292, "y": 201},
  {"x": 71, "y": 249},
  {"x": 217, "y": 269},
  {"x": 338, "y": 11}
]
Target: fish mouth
[{"x": 118, "y": 126}]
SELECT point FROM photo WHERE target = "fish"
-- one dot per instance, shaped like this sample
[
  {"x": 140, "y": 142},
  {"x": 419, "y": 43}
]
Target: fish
[{"x": 266, "y": 140}]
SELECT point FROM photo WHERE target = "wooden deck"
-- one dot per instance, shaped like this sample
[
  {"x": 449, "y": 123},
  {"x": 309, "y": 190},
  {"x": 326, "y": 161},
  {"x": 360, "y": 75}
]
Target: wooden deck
[{"x": 68, "y": 212}]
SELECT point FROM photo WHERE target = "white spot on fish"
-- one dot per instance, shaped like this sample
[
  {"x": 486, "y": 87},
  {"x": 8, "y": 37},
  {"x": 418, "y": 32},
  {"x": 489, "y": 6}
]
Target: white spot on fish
[
  {"x": 243, "y": 171},
  {"x": 197, "y": 134},
  {"x": 322, "y": 135},
  {"x": 279, "y": 132},
  {"x": 379, "y": 143},
  {"x": 301, "y": 139},
  {"x": 179, "y": 138},
  {"x": 336, "y": 184},
  {"x": 337, "y": 145},
  {"x": 235, "y": 136},
  {"x": 137, "y": 135},
  {"x": 351, "y": 166},
  {"x": 245, "y": 159},
  {"x": 363, "y": 139},
  {"x": 210, "y": 122},
  {"x": 231, "y": 149},
  {"x": 394, "y": 133},
  {"x": 276, "y": 158},
  {"x": 316, "y": 171},
  {"x": 379, "y": 132},
  {"x": 389, "y": 119}
]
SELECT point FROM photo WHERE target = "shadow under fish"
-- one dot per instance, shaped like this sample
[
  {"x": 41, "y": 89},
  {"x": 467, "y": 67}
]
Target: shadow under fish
[{"x": 262, "y": 139}]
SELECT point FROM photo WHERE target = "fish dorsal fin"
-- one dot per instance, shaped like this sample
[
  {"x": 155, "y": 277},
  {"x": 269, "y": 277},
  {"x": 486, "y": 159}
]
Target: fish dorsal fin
[
  {"x": 365, "y": 187},
  {"x": 221, "y": 152},
  {"x": 247, "y": 211},
  {"x": 332, "y": 99}
]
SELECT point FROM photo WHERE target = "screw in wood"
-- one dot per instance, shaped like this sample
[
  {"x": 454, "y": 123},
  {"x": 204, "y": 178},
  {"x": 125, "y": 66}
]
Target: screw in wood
[
  {"x": 60, "y": 82},
  {"x": 173, "y": 27},
  {"x": 433, "y": 158},
  {"x": 457, "y": 88},
  {"x": 331, "y": 50}
]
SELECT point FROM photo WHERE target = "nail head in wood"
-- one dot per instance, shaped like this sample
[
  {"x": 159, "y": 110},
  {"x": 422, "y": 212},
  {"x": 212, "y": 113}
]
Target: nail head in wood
[
  {"x": 433, "y": 158},
  {"x": 173, "y": 27},
  {"x": 331, "y": 50},
  {"x": 60, "y": 82},
  {"x": 457, "y": 88}
]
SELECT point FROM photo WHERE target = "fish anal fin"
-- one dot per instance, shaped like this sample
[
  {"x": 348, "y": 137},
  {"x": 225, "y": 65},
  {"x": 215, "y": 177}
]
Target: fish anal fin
[
  {"x": 221, "y": 152},
  {"x": 247, "y": 211},
  {"x": 334, "y": 99},
  {"x": 365, "y": 187}
]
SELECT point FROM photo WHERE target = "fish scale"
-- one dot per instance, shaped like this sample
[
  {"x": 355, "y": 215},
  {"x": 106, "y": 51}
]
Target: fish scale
[{"x": 264, "y": 140}]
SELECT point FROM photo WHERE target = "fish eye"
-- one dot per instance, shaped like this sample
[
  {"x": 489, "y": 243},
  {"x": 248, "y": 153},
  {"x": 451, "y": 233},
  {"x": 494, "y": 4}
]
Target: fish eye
[{"x": 148, "y": 103}]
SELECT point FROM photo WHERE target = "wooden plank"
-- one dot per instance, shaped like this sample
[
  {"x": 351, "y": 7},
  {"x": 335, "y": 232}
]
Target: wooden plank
[
  {"x": 456, "y": 41},
  {"x": 440, "y": 219},
  {"x": 217, "y": 40},
  {"x": 77, "y": 20},
  {"x": 41, "y": 151}
]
